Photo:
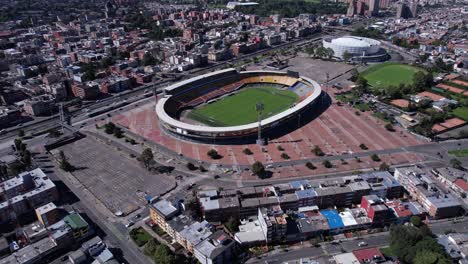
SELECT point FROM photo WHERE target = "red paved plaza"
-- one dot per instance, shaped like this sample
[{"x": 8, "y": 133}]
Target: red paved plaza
[{"x": 336, "y": 131}]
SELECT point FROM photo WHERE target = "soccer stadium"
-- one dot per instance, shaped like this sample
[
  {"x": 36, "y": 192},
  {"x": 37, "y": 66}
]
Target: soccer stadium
[{"x": 227, "y": 104}]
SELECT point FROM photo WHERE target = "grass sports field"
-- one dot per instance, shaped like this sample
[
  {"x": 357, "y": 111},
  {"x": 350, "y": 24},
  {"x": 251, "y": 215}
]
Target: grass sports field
[
  {"x": 239, "y": 109},
  {"x": 387, "y": 74}
]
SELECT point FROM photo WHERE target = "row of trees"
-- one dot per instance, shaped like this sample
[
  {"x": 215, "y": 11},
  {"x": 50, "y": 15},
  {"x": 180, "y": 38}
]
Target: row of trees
[
  {"x": 111, "y": 128},
  {"x": 320, "y": 52},
  {"x": 367, "y": 33}
]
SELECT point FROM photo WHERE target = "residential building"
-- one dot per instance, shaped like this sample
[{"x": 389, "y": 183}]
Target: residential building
[
  {"x": 24, "y": 193},
  {"x": 456, "y": 180},
  {"x": 218, "y": 248},
  {"x": 421, "y": 188},
  {"x": 161, "y": 212},
  {"x": 39, "y": 106},
  {"x": 48, "y": 214}
]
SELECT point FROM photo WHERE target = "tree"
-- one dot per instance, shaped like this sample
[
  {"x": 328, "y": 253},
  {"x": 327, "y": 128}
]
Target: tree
[
  {"x": 456, "y": 164},
  {"x": 146, "y": 157},
  {"x": 63, "y": 162},
  {"x": 327, "y": 164},
  {"x": 162, "y": 255},
  {"x": 384, "y": 166},
  {"x": 423, "y": 58},
  {"x": 419, "y": 81},
  {"x": 26, "y": 158},
  {"x": 247, "y": 151},
  {"x": 15, "y": 168},
  {"x": 310, "y": 51},
  {"x": 321, "y": 52},
  {"x": 354, "y": 75},
  {"x": 109, "y": 128},
  {"x": 362, "y": 85},
  {"x": 429, "y": 79},
  {"x": 191, "y": 166},
  {"x": 18, "y": 142},
  {"x": 21, "y": 133},
  {"x": 107, "y": 62},
  {"x": 212, "y": 153},
  {"x": 347, "y": 56},
  {"x": 148, "y": 59},
  {"x": 118, "y": 132},
  {"x": 330, "y": 53},
  {"x": 310, "y": 165},
  {"x": 3, "y": 172},
  {"x": 375, "y": 157},
  {"x": 363, "y": 146},
  {"x": 89, "y": 72},
  {"x": 23, "y": 148},
  {"x": 318, "y": 151},
  {"x": 389, "y": 127},
  {"x": 258, "y": 168},
  {"x": 150, "y": 247},
  {"x": 415, "y": 220},
  {"x": 232, "y": 224},
  {"x": 428, "y": 257}
]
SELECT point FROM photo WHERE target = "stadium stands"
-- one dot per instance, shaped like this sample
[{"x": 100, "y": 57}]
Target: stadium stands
[{"x": 205, "y": 88}]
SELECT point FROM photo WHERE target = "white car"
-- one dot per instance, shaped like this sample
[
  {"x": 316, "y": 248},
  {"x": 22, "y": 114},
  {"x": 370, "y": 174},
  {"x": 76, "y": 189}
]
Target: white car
[{"x": 362, "y": 244}]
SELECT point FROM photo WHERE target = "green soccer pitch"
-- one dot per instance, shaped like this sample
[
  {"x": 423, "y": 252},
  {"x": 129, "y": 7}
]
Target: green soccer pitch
[
  {"x": 239, "y": 109},
  {"x": 389, "y": 74}
]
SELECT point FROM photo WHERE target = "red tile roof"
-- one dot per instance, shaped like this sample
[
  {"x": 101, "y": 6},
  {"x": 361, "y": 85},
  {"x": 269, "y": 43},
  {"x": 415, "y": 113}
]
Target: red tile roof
[
  {"x": 367, "y": 254},
  {"x": 450, "y": 88},
  {"x": 462, "y": 184},
  {"x": 403, "y": 103},
  {"x": 438, "y": 128},
  {"x": 452, "y": 122},
  {"x": 460, "y": 82},
  {"x": 433, "y": 96}
]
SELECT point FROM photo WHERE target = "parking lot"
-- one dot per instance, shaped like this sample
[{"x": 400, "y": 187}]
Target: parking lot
[{"x": 117, "y": 180}]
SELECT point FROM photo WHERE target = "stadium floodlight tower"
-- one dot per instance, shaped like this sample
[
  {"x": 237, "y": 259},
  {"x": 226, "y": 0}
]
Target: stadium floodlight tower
[{"x": 259, "y": 107}]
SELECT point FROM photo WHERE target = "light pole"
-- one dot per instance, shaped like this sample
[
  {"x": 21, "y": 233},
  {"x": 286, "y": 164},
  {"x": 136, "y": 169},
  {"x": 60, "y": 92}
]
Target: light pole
[{"x": 259, "y": 107}]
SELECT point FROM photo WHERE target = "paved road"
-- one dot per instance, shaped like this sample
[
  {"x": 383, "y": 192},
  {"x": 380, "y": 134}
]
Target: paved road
[{"x": 328, "y": 249}]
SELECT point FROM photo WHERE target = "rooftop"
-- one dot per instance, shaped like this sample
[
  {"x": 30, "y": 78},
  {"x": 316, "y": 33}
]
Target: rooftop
[
  {"x": 333, "y": 218},
  {"x": 75, "y": 221},
  {"x": 165, "y": 208}
]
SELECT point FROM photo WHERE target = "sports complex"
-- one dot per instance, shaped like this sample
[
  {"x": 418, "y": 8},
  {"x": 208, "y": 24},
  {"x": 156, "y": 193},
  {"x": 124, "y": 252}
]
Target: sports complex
[{"x": 231, "y": 104}]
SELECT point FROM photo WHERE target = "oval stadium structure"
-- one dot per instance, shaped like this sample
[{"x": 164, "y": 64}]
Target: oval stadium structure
[
  {"x": 225, "y": 104},
  {"x": 359, "y": 48}
]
